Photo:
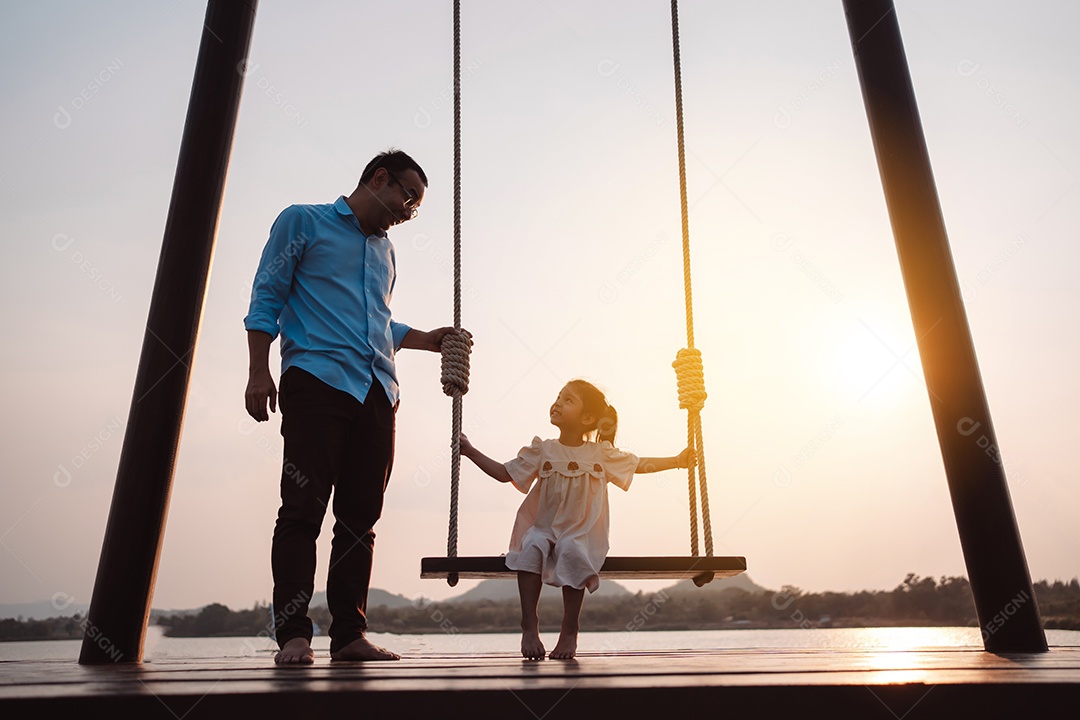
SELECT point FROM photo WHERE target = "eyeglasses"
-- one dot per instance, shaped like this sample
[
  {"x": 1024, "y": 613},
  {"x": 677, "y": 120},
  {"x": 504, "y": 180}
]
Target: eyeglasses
[{"x": 411, "y": 198}]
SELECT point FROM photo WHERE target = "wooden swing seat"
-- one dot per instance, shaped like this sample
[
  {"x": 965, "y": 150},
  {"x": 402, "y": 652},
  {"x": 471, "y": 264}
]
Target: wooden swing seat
[{"x": 617, "y": 568}]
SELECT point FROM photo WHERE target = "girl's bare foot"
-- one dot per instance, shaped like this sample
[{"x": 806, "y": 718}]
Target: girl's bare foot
[
  {"x": 362, "y": 649},
  {"x": 566, "y": 648},
  {"x": 529, "y": 585},
  {"x": 295, "y": 652},
  {"x": 531, "y": 647}
]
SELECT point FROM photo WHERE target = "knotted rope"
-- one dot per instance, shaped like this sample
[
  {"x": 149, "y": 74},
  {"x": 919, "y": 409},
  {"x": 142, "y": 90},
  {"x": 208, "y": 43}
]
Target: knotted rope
[
  {"x": 690, "y": 379},
  {"x": 455, "y": 364},
  {"x": 688, "y": 366}
]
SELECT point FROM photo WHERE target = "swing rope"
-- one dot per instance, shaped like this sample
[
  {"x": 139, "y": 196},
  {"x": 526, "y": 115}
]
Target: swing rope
[
  {"x": 689, "y": 371},
  {"x": 455, "y": 346}
]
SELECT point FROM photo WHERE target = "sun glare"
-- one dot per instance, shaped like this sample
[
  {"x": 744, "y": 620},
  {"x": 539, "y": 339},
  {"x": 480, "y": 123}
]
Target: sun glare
[{"x": 870, "y": 364}]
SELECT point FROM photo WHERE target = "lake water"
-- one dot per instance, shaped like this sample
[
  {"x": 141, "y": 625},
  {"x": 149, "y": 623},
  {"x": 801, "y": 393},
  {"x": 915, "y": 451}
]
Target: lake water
[{"x": 161, "y": 647}]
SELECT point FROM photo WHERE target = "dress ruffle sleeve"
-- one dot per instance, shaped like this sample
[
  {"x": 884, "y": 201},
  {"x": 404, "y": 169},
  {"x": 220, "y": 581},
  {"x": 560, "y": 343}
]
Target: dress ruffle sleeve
[
  {"x": 526, "y": 466},
  {"x": 619, "y": 466}
]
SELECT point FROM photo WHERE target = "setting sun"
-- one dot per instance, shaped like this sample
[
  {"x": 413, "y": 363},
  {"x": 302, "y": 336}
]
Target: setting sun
[{"x": 872, "y": 363}]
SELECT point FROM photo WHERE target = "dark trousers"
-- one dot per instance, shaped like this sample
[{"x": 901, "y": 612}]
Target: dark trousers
[{"x": 332, "y": 441}]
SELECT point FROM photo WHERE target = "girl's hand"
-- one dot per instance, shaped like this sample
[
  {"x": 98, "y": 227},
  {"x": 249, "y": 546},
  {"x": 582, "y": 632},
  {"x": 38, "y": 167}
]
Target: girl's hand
[
  {"x": 687, "y": 458},
  {"x": 493, "y": 468}
]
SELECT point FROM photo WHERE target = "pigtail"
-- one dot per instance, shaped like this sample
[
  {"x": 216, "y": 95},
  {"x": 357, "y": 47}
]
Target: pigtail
[{"x": 607, "y": 425}]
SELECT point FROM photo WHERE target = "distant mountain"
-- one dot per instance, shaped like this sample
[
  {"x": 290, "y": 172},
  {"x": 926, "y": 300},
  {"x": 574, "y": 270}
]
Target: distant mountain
[
  {"x": 376, "y": 597},
  {"x": 500, "y": 590},
  {"x": 741, "y": 581},
  {"x": 495, "y": 590},
  {"x": 42, "y": 610}
]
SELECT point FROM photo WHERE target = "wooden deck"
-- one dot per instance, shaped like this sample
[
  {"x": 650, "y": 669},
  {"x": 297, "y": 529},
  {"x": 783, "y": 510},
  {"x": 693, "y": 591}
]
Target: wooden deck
[{"x": 908, "y": 684}]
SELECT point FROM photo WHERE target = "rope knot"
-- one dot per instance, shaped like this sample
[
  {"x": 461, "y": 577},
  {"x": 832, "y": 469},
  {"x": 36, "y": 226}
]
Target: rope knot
[
  {"x": 455, "y": 347},
  {"x": 690, "y": 377}
]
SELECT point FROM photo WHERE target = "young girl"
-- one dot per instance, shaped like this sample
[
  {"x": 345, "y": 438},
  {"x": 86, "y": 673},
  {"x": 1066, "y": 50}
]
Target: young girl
[{"x": 560, "y": 536}]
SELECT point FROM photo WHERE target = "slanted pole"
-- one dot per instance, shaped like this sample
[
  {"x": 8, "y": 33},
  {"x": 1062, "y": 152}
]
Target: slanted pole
[
  {"x": 115, "y": 626},
  {"x": 997, "y": 569}
]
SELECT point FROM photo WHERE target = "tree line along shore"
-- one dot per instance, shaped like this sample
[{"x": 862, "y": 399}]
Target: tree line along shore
[{"x": 917, "y": 601}]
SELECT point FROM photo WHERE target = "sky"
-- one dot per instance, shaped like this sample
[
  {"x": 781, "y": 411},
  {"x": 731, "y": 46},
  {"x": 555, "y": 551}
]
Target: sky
[{"x": 823, "y": 464}]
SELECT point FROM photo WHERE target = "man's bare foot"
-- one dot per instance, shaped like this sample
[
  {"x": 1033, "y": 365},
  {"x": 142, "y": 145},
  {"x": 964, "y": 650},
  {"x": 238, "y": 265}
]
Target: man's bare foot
[
  {"x": 295, "y": 652},
  {"x": 362, "y": 649},
  {"x": 531, "y": 647},
  {"x": 566, "y": 648}
]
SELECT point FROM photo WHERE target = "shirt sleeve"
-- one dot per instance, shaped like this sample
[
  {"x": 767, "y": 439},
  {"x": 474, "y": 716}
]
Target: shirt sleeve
[
  {"x": 398, "y": 331},
  {"x": 526, "y": 466},
  {"x": 619, "y": 466},
  {"x": 274, "y": 277}
]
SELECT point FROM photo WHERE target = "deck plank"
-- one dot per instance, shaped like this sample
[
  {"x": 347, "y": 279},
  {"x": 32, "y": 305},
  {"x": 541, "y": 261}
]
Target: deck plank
[{"x": 962, "y": 680}]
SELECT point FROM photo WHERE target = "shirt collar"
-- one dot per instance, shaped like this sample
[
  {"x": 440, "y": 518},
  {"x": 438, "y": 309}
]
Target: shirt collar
[{"x": 346, "y": 212}]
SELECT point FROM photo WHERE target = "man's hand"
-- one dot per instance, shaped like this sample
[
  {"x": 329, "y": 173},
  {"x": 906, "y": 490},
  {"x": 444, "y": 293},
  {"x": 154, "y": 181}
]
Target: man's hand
[
  {"x": 260, "y": 388},
  {"x": 260, "y": 385},
  {"x": 430, "y": 340}
]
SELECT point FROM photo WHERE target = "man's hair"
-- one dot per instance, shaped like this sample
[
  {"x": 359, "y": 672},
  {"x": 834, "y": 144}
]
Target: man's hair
[{"x": 394, "y": 161}]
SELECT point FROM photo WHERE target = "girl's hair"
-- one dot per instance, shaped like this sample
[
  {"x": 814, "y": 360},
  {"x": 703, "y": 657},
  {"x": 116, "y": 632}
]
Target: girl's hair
[{"x": 607, "y": 420}]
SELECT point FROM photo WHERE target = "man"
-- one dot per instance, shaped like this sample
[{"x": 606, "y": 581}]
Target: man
[{"x": 324, "y": 282}]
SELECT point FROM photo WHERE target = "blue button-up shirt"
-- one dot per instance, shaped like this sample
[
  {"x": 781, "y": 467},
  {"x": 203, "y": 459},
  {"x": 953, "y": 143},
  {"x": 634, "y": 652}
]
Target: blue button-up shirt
[{"x": 325, "y": 286}]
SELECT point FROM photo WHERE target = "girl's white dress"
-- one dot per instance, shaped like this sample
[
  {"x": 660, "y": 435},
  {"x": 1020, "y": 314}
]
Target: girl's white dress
[{"x": 561, "y": 529}]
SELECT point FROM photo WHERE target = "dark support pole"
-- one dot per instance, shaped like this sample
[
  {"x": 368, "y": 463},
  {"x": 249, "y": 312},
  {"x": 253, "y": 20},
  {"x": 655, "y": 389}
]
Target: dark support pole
[
  {"x": 998, "y": 571},
  {"x": 120, "y": 607}
]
